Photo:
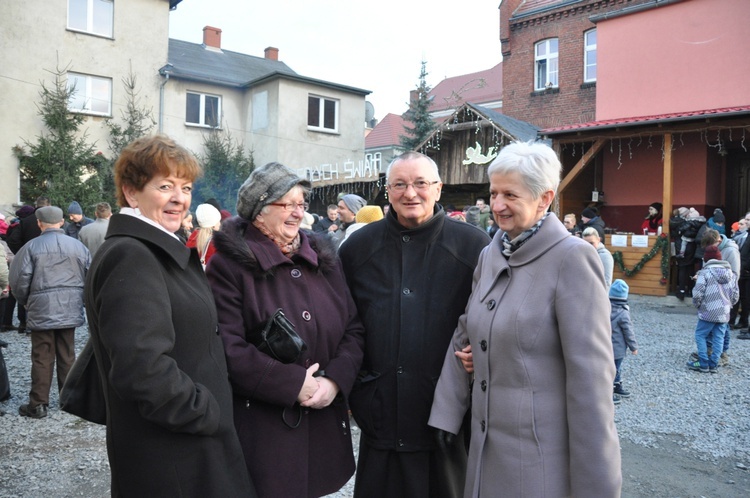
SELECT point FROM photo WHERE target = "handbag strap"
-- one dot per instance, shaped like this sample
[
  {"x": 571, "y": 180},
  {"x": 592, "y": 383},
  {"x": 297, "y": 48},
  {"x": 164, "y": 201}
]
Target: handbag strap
[{"x": 205, "y": 249}]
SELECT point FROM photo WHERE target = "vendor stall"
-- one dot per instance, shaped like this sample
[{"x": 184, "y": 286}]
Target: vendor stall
[{"x": 642, "y": 261}]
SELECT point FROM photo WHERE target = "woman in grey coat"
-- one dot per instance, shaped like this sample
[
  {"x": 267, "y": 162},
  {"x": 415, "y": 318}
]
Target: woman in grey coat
[{"x": 542, "y": 418}]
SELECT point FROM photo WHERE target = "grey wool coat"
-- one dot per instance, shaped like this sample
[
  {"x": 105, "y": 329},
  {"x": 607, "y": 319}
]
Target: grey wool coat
[
  {"x": 153, "y": 325},
  {"x": 542, "y": 413}
]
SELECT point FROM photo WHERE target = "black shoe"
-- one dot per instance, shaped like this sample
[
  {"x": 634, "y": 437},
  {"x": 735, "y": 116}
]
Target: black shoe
[
  {"x": 737, "y": 326},
  {"x": 39, "y": 411},
  {"x": 621, "y": 391},
  {"x": 7, "y": 328},
  {"x": 744, "y": 335}
]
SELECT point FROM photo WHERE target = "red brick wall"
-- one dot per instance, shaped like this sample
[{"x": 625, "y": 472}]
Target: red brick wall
[{"x": 572, "y": 102}]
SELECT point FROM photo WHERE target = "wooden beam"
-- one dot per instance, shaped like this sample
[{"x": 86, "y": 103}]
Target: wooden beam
[
  {"x": 667, "y": 188},
  {"x": 587, "y": 156}
]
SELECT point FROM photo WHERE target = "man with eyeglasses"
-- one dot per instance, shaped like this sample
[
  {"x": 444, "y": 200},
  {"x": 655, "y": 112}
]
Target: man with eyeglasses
[{"x": 410, "y": 275}]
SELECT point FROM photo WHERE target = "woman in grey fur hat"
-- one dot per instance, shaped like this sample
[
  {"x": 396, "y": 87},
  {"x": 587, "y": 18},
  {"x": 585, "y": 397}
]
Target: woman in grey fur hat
[{"x": 292, "y": 418}]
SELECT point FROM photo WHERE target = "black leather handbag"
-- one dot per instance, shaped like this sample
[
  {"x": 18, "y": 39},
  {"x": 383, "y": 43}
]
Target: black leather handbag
[{"x": 278, "y": 339}]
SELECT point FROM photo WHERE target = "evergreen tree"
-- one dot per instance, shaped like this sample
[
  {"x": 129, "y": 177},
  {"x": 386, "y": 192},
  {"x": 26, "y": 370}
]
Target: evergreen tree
[
  {"x": 137, "y": 122},
  {"x": 225, "y": 167},
  {"x": 61, "y": 164},
  {"x": 418, "y": 115}
]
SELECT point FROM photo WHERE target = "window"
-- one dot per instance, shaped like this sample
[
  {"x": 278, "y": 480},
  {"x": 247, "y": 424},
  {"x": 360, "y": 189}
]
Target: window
[
  {"x": 92, "y": 16},
  {"x": 589, "y": 56},
  {"x": 90, "y": 94},
  {"x": 322, "y": 113},
  {"x": 203, "y": 110},
  {"x": 545, "y": 59}
]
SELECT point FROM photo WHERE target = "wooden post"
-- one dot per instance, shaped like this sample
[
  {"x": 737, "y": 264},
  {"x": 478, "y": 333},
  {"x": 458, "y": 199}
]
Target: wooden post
[{"x": 668, "y": 175}]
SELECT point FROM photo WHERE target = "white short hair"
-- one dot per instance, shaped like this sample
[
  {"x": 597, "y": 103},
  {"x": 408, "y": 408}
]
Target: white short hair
[{"x": 536, "y": 162}]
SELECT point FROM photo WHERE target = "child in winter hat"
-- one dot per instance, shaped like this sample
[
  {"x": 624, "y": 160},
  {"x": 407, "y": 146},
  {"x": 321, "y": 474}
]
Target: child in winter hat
[{"x": 623, "y": 335}]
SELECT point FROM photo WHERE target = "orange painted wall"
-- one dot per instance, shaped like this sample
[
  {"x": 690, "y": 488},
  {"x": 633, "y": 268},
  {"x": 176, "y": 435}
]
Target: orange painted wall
[{"x": 686, "y": 56}]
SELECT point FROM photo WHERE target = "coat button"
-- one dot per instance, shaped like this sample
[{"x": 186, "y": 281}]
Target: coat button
[
  {"x": 406, "y": 292},
  {"x": 491, "y": 304},
  {"x": 296, "y": 273},
  {"x": 406, "y": 238},
  {"x": 484, "y": 385},
  {"x": 400, "y": 370},
  {"x": 484, "y": 426},
  {"x": 217, "y": 330},
  {"x": 400, "y": 442},
  {"x": 483, "y": 345},
  {"x": 306, "y": 316}
]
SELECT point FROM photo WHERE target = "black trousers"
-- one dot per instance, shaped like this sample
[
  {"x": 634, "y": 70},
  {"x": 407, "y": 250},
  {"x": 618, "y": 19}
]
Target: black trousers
[
  {"x": 416, "y": 474},
  {"x": 743, "y": 305}
]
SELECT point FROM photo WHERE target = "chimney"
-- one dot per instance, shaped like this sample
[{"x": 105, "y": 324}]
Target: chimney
[
  {"x": 212, "y": 37},
  {"x": 272, "y": 53}
]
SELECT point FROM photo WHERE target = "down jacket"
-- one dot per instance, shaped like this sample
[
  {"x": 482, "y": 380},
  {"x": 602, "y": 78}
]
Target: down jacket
[
  {"x": 47, "y": 276},
  {"x": 715, "y": 291}
]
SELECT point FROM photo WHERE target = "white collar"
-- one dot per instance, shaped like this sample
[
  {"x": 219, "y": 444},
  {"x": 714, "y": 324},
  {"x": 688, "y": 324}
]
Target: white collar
[{"x": 136, "y": 213}]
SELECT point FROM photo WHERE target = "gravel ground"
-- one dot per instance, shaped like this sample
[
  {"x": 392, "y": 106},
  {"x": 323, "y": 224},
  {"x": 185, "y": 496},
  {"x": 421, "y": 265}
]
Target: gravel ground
[{"x": 683, "y": 433}]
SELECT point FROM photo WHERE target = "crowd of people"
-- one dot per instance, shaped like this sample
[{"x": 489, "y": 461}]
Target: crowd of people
[{"x": 450, "y": 335}]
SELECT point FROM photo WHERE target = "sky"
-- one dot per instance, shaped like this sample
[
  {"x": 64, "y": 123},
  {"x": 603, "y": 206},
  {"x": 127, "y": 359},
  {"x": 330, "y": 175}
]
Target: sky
[{"x": 376, "y": 46}]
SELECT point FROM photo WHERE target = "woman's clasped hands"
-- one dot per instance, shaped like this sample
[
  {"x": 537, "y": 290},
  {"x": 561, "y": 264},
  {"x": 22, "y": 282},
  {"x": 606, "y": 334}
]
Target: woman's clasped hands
[{"x": 317, "y": 392}]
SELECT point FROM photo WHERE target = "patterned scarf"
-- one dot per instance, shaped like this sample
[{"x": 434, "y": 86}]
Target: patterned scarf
[
  {"x": 286, "y": 248},
  {"x": 511, "y": 246}
]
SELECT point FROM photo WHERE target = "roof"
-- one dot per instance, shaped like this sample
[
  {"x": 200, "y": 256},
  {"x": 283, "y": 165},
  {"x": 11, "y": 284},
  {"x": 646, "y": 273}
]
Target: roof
[
  {"x": 481, "y": 87},
  {"x": 531, "y": 7},
  {"x": 520, "y": 130},
  {"x": 647, "y": 120},
  {"x": 173, "y": 3},
  {"x": 386, "y": 133},
  {"x": 193, "y": 61}
]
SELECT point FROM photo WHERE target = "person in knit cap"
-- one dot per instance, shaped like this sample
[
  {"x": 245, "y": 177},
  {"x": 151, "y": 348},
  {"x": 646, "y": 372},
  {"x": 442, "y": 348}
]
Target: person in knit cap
[
  {"x": 77, "y": 220},
  {"x": 290, "y": 414},
  {"x": 590, "y": 218},
  {"x": 367, "y": 214},
  {"x": 623, "y": 335},
  {"x": 714, "y": 294},
  {"x": 688, "y": 250},
  {"x": 654, "y": 218},
  {"x": 348, "y": 206},
  {"x": 209, "y": 220},
  {"x": 718, "y": 221}
]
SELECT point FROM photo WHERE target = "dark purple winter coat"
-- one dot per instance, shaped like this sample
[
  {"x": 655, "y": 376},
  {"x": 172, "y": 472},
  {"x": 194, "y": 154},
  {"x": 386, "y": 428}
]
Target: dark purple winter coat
[{"x": 251, "y": 278}]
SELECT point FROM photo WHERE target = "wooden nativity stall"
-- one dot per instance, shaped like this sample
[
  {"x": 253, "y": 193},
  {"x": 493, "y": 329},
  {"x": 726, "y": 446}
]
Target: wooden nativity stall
[{"x": 464, "y": 145}]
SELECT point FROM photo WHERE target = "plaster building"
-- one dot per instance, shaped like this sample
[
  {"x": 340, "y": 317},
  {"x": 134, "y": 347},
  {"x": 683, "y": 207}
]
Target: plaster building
[{"x": 312, "y": 125}]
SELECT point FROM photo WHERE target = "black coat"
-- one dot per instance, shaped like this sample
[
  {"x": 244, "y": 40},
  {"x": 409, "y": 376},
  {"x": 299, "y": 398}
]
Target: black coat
[
  {"x": 26, "y": 230},
  {"x": 152, "y": 320},
  {"x": 410, "y": 287}
]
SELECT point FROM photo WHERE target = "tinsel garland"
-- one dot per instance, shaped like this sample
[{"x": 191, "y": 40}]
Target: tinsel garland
[{"x": 661, "y": 244}]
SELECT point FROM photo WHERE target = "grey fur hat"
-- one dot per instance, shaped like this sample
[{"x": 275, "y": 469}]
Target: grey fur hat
[{"x": 265, "y": 185}]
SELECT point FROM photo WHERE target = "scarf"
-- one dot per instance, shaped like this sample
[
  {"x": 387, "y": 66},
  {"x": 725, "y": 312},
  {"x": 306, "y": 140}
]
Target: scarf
[
  {"x": 286, "y": 248},
  {"x": 511, "y": 246}
]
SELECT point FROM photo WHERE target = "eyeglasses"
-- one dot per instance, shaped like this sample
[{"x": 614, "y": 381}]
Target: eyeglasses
[
  {"x": 418, "y": 185},
  {"x": 291, "y": 206}
]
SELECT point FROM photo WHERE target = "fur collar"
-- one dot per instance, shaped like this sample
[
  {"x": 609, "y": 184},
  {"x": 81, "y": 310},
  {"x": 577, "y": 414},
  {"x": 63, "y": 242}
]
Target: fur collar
[{"x": 234, "y": 243}]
